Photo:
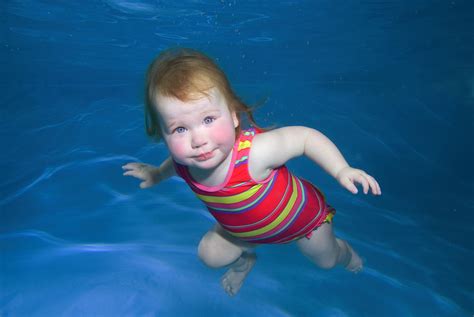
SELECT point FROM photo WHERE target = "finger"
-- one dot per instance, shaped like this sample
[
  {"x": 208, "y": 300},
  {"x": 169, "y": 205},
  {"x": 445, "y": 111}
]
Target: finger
[
  {"x": 134, "y": 173},
  {"x": 373, "y": 184},
  {"x": 129, "y": 173},
  {"x": 378, "y": 188},
  {"x": 363, "y": 181},
  {"x": 133, "y": 165},
  {"x": 347, "y": 183},
  {"x": 145, "y": 184},
  {"x": 129, "y": 166}
]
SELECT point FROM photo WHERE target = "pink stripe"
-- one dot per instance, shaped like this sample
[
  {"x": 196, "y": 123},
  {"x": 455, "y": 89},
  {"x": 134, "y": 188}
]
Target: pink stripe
[
  {"x": 254, "y": 226},
  {"x": 297, "y": 208},
  {"x": 315, "y": 222}
]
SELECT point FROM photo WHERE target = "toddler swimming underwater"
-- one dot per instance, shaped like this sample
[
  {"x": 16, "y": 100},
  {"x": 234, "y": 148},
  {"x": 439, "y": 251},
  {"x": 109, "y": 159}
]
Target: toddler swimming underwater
[{"x": 240, "y": 174}]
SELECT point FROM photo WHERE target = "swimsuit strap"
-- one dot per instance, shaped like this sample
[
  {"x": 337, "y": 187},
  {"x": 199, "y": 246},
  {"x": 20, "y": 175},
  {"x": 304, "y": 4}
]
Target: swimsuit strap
[
  {"x": 240, "y": 173},
  {"x": 243, "y": 149}
]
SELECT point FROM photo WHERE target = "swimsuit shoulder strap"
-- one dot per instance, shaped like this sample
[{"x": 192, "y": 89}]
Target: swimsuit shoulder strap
[{"x": 240, "y": 173}]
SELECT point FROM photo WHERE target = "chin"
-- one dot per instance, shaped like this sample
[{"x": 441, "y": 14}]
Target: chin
[
  {"x": 211, "y": 163},
  {"x": 207, "y": 165}
]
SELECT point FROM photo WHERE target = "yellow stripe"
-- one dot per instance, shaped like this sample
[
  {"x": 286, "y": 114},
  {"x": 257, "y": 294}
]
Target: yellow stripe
[
  {"x": 244, "y": 145},
  {"x": 277, "y": 221},
  {"x": 231, "y": 199},
  {"x": 329, "y": 217}
]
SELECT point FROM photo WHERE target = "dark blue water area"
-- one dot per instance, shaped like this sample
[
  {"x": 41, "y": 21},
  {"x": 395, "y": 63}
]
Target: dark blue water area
[{"x": 390, "y": 82}]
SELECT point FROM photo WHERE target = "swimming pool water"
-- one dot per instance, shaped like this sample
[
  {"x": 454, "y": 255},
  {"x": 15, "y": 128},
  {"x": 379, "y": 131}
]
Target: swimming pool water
[{"x": 391, "y": 83}]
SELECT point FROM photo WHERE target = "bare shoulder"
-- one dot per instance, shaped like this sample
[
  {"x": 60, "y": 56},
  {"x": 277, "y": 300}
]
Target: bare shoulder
[
  {"x": 274, "y": 148},
  {"x": 258, "y": 154},
  {"x": 278, "y": 140}
]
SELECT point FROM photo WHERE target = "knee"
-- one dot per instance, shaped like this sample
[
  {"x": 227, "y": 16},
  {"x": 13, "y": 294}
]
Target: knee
[
  {"x": 325, "y": 256},
  {"x": 215, "y": 254},
  {"x": 333, "y": 256}
]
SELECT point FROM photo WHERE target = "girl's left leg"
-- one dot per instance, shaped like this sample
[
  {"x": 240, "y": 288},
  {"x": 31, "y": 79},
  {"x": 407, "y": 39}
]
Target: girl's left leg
[
  {"x": 219, "y": 249},
  {"x": 327, "y": 251}
]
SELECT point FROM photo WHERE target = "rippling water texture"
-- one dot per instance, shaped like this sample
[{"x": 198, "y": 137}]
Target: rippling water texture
[{"x": 390, "y": 82}]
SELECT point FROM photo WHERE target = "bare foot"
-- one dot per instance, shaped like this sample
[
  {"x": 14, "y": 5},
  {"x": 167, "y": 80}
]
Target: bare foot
[
  {"x": 235, "y": 276},
  {"x": 355, "y": 264}
]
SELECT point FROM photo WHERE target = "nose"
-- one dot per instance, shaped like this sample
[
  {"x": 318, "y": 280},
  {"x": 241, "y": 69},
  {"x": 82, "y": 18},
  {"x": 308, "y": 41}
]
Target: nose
[{"x": 198, "y": 140}]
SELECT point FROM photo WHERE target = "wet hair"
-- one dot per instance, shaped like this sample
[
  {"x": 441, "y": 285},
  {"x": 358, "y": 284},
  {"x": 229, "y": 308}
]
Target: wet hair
[{"x": 187, "y": 74}]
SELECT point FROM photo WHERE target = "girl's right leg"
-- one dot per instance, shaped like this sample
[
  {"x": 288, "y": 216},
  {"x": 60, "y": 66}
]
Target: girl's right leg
[
  {"x": 218, "y": 249},
  {"x": 326, "y": 250}
]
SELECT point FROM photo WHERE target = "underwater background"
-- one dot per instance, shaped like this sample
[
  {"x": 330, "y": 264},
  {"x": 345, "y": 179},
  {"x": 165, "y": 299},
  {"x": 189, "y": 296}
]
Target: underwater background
[{"x": 390, "y": 82}]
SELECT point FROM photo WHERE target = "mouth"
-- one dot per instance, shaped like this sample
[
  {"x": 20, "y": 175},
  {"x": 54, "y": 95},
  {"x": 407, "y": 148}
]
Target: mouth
[{"x": 204, "y": 156}]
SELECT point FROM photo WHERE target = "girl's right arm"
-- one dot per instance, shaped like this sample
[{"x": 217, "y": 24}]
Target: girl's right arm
[{"x": 149, "y": 174}]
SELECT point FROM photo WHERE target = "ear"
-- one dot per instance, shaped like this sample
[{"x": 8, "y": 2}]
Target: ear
[{"x": 235, "y": 119}]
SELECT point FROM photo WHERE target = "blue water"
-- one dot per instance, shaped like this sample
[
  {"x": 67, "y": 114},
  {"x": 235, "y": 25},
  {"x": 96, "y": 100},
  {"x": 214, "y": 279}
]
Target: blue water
[{"x": 390, "y": 82}]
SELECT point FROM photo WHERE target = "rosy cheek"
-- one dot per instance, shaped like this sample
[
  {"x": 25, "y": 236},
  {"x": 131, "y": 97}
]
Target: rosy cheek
[
  {"x": 224, "y": 134},
  {"x": 177, "y": 148}
]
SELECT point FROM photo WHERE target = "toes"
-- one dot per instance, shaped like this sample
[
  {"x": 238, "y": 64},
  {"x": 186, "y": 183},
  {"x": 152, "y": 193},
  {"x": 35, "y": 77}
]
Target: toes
[
  {"x": 229, "y": 290},
  {"x": 227, "y": 286}
]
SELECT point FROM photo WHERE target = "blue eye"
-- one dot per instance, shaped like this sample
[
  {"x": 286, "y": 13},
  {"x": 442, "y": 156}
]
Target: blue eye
[
  {"x": 180, "y": 130},
  {"x": 208, "y": 120}
]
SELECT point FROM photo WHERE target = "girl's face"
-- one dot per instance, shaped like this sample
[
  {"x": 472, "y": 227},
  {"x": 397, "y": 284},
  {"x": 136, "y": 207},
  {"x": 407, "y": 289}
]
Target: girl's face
[{"x": 198, "y": 133}]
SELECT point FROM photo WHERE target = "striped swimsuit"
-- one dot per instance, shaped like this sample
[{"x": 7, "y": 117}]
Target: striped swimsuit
[{"x": 279, "y": 209}]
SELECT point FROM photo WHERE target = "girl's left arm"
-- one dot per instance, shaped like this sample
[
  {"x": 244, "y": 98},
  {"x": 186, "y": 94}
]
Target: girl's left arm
[{"x": 274, "y": 148}]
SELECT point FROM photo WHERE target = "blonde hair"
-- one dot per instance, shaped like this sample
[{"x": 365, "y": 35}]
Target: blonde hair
[{"x": 187, "y": 74}]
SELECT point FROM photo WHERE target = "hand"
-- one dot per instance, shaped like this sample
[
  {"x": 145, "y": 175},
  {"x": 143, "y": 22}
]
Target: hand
[
  {"x": 149, "y": 174},
  {"x": 348, "y": 176}
]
